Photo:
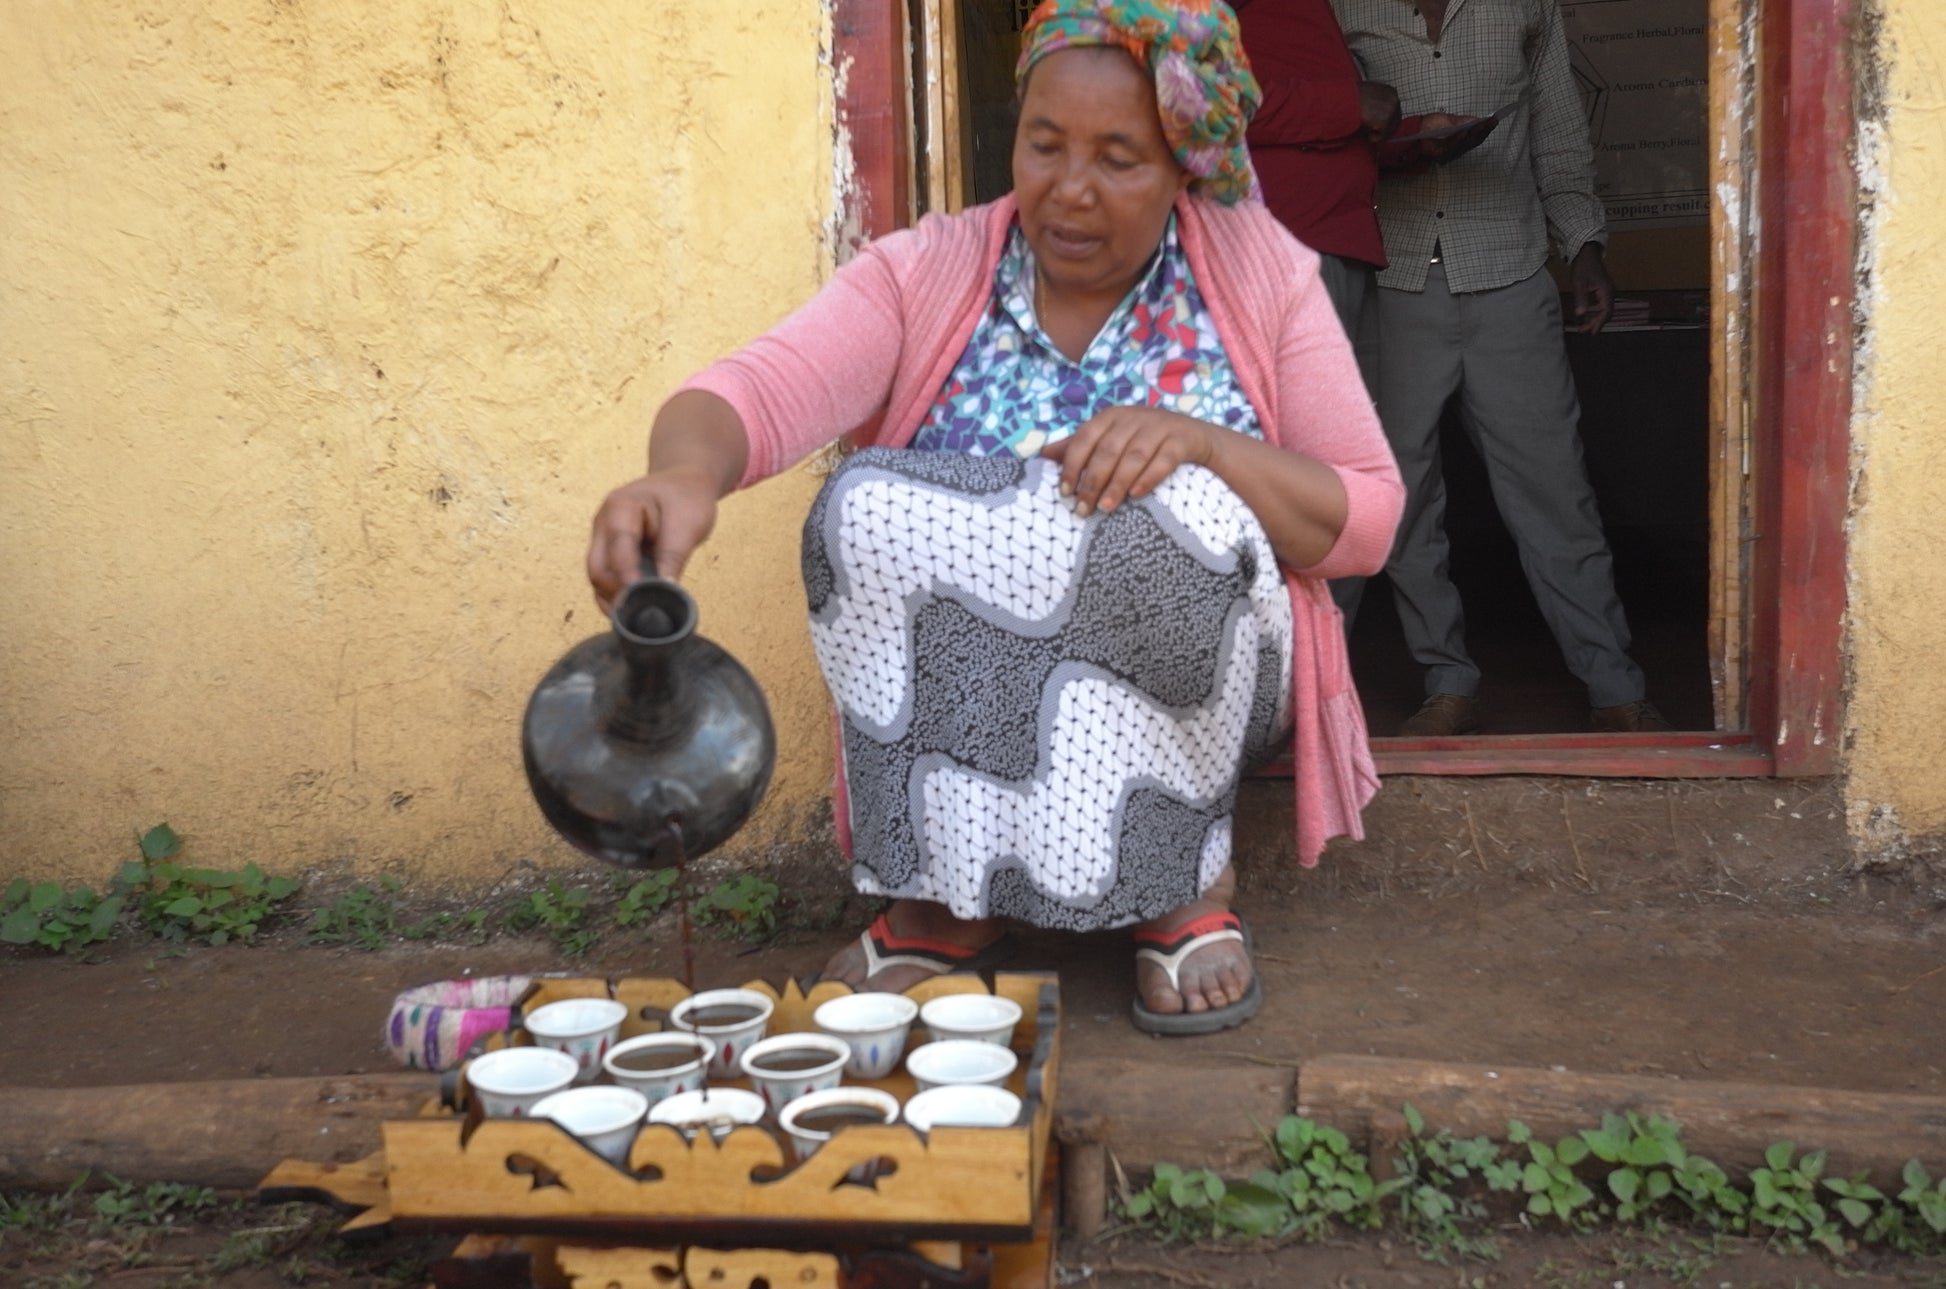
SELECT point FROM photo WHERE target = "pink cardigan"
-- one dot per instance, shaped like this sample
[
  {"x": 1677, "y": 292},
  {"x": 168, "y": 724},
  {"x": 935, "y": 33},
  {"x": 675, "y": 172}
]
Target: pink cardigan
[{"x": 871, "y": 350}]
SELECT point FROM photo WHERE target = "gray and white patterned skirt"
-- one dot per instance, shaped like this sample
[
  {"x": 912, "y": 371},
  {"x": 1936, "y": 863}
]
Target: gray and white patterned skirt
[{"x": 1042, "y": 717}]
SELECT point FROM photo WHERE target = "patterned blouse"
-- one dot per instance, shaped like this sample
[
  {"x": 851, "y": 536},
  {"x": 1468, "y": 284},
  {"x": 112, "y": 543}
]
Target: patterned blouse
[{"x": 1014, "y": 391}]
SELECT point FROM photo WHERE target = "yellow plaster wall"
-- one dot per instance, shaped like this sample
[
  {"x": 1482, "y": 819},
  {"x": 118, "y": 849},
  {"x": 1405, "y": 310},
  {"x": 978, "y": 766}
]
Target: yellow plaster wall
[
  {"x": 1897, "y": 715},
  {"x": 323, "y": 328}
]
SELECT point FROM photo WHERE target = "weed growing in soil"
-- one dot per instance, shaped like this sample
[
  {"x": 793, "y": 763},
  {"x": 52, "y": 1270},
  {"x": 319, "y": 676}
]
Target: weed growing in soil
[
  {"x": 576, "y": 918},
  {"x": 1187, "y": 1203},
  {"x": 157, "y": 1204},
  {"x": 171, "y": 900},
  {"x": 640, "y": 899},
  {"x": 1548, "y": 1178},
  {"x": 100, "y": 1229},
  {"x": 212, "y": 905},
  {"x": 371, "y": 917},
  {"x": 93, "y": 1230},
  {"x": 66, "y": 919},
  {"x": 741, "y": 906},
  {"x": 1323, "y": 1180},
  {"x": 1438, "y": 1201},
  {"x": 1649, "y": 1167},
  {"x": 1633, "y": 1170},
  {"x": 366, "y": 917},
  {"x": 561, "y": 911},
  {"x": 181, "y": 904}
]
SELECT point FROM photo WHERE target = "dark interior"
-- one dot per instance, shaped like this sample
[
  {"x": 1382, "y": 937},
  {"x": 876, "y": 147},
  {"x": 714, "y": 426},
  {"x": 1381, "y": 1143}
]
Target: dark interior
[{"x": 1645, "y": 437}]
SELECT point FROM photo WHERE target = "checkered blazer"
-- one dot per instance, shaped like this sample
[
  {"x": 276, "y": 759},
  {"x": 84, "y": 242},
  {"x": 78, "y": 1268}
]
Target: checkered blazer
[{"x": 1492, "y": 211}]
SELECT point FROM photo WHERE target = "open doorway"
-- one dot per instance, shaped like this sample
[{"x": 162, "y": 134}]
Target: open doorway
[
  {"x": 1641, "y": 67},
  {"x": 1714, "y": 416}
]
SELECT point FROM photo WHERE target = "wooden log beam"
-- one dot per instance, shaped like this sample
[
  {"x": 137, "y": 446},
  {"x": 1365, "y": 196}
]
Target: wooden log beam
[
  {"x": 225, "y": 1133},
  {"x": 1731, "y": 1123},
  {"x": 1163, "y": 1108}
]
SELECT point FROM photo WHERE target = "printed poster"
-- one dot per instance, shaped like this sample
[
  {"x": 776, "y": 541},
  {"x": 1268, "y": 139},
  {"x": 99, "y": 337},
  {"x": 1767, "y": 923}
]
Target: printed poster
[{"x": 1641, "y": 67}]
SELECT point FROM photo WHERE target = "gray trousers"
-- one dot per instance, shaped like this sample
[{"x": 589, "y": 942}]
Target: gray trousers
[
  {"x": 1353, "y": 288},
  {"x": 1502, "y": 352}
]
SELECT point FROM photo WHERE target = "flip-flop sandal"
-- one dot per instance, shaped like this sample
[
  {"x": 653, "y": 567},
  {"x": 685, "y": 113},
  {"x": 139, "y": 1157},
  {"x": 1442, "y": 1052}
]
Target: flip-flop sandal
[
  {"x": 884, "y": 948},
  {"x": 1169, "y": 950}
]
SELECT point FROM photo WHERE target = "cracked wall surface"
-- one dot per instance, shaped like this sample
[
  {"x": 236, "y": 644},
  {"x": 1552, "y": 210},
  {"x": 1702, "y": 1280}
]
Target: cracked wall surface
[
  {"x": 323, "y": 329},
  {"x": 1896, "y": 746}
]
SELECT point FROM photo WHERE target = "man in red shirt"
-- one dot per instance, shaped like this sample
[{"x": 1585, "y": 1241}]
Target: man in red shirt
[{"x": 1312, "y": 141}]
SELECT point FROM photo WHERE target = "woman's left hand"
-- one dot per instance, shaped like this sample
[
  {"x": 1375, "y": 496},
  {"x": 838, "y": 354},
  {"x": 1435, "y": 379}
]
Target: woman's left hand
[{"x": 1127, "y": 452}]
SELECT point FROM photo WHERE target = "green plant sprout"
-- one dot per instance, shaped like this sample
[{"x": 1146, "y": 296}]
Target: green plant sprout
[
  {"x": 1633, "y": 1170},
  {"x": 741, "y": 906},
  {"x": 641, "y": 898},
  {"x": 65, "y": 919},
  {"x": 559, "y": 910},
  {"x": 172, "y": 901},
  {"x": 213, "y": 906}
]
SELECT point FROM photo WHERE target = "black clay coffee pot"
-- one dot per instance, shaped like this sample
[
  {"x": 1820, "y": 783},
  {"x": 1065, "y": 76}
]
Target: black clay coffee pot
[{"x": 648, "y": 745}]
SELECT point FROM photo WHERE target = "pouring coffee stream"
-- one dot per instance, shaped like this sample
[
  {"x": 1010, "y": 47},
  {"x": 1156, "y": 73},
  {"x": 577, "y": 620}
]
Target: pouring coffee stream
[{"x": 648, "y": 746}]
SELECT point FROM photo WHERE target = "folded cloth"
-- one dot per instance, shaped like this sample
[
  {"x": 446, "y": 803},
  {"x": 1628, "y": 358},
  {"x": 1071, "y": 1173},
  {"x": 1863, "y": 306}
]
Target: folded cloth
[
  {"x": 440, "y": 1025},
  {"x": 1042, "y": 717}
]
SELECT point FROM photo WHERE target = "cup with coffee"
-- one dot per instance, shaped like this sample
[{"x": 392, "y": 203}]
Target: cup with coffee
[
  {"x": 813, "y": 1118},
  {"x": 733, "y": 1019},
  {"x": 785, "y": 1067},
  {"x": 659, "y": 1065}
]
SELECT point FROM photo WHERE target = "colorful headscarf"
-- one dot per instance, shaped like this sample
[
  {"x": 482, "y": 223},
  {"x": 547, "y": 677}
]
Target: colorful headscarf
[{"x": 1204, "y": 88}]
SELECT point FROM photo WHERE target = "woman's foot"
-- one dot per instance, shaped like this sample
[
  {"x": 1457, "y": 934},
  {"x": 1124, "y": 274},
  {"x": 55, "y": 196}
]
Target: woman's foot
[
  {"x": 1213, "y": 977},
  {"x": 922, "y": 939}
]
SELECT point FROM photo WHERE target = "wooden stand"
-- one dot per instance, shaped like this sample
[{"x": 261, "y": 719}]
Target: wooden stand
[
  {"x": 955, "y": 1208},
  {"x": 544, "y": 1262}
]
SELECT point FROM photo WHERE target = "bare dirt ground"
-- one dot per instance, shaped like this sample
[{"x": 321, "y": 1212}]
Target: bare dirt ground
[{"x": 1669, "y": 929}]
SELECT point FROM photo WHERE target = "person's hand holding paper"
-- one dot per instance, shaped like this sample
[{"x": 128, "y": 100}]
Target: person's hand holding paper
[{"x": 1437, "y": 138}]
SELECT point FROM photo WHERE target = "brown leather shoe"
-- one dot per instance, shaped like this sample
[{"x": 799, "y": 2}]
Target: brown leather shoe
[
  {"x": 1638, "y": 717},
  {"x": 1442, "y": 716}
]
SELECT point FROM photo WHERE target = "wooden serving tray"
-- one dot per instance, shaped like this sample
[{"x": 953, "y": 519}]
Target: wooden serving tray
[{"x": 452, "y": 1171}]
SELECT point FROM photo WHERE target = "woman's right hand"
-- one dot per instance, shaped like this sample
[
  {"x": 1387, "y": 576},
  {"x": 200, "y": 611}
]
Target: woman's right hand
[
  {"x": 697, "y": 451},
  {"x": 668, "y": 512}
]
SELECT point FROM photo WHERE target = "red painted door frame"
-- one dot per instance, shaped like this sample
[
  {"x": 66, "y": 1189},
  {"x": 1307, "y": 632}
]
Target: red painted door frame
[
  {"x": 1808, "y": 202},
  {"x": 1806, "y": 193},
  {"x": 874, "y": 119}
]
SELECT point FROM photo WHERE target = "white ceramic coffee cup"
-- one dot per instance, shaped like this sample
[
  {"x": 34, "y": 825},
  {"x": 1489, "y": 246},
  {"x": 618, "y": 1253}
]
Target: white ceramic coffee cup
[
  {"x": 805, "y": 1141},
  {"x": 604, "y": 1118},
  {"x": 962, "y": 1105},
  {"x": 659, "y": 1065},
  {"x": 984, "y": 1018},
  {"x": 584, "y": 1028},
  {"x": 721, "y": 1110},
  {"x": 959, "y": 1060},
  {"x": 732, "y": 1039},
  {"x": 819, "y": 1064},
  {"x": 874, "y": 1024},
  {"x": 509, "y": 1082}
]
